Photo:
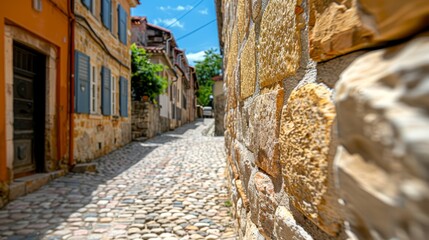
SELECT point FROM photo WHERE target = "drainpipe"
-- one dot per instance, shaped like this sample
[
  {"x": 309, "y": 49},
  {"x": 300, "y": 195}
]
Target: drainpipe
[
  {"x": 167, "y": 50},
  {"x": 72, "y": 82},
  {"x": 167, "y": 44}
]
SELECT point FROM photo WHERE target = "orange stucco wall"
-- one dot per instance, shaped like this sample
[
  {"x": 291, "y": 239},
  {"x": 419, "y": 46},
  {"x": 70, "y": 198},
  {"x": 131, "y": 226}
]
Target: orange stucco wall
[{"x": 50, "y": 25}]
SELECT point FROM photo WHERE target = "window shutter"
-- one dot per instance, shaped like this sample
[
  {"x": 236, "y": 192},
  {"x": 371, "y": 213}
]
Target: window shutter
[
  {"x": 124, "y": 96},
  {"x": 82, "y": 82},
  {"x": 106, "y": 91},
  {"x": 87, "y": 3},
  {"x": 106, "y": 13},
  {"x": 122, "y": 24}
]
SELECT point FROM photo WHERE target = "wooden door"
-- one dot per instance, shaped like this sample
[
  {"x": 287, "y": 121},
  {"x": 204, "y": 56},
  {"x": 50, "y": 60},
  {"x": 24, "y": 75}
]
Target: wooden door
[{"x": 28, "y": 110}]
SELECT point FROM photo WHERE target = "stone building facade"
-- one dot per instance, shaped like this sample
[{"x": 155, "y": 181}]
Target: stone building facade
[
  {"x": 327, "y": 125},
  {"x": 34, "y": 94},
  {"x": 178, "y": 103},
  {"x": 102, "y": 94}
]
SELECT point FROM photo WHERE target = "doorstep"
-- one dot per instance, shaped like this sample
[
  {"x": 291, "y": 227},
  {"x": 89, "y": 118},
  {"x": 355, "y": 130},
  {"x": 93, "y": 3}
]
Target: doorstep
[{"x": 25, "y": 185}]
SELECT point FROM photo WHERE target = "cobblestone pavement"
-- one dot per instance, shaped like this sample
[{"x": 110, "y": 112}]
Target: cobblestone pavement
[{"x": 169, "y": 187}]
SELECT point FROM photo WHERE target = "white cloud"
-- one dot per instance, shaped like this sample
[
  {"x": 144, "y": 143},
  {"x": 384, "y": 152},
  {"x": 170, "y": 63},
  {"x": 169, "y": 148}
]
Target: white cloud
[
  {"x": 205, "y": 11},
  {"x": 192, "y": 57},
  {"x": 168, "y": 21},
  {"x": 177, "y": 8}
]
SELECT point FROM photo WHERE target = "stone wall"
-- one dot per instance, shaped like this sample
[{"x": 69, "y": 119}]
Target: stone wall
[
  {"x": 219, "y": 114},
  {"x": 327, "y": 125},
  {"x": 145, "y": 120},
  {"x": 96, "y": 134}
]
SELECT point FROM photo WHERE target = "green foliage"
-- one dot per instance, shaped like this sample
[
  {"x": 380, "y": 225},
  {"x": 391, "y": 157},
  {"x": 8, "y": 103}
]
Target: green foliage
[
  {"x": 206, "y": 69},
  {"x": 145, "y": 80}
]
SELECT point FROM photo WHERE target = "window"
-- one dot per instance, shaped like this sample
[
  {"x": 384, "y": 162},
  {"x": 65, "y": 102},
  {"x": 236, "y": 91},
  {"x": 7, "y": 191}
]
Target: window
[
  {"x": 184, "y": 101},
  {"x": 82, "y": 82},
  {"x": 93, "y": 7},
  {"x": 123, "y": 86},
  {"x": 106, "y": 91},
  {"x": 106, "y": 13},
  {"x": 113, "y": 95},
  {"x": 87, "y": 3},
  {"x": 37, "y": 5},
  {"x": 93, "y": 93},
  {"x": 122, "y": 24}
]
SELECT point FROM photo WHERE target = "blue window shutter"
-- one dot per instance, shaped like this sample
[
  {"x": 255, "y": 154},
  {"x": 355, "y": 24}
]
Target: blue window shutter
[
  {"x": 82, "y": 82},
  {"x": 106, "y": 13},
  {"x": 124, "y": 96},
  {"x": 106, "y": 91},
  {"x": 122, "y": 24},
  {"x": 87, "y": 3},
  {"x": 110, "y": 15},
  {"x": 119, "y": 22}
]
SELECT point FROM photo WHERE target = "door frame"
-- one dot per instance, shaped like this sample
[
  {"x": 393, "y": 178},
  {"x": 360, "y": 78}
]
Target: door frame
[
  {"x": 39, "y": 113},
  {"x": 28, "y": 39}
]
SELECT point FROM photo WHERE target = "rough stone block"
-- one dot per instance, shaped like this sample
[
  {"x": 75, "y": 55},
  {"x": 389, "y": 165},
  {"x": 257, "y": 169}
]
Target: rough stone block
[
  {"x": 263, "y": 203},
  {"x": 383, "y": 126},
  {"x": 243, "y": 18},
  {"x": 231, "y": 66},
  {"x": 264, "y": 123},
  {"x": 252, "y": 231},
  {"x": 305, "y": 141},
  {"x": 256, "y": 9},
  {"x": 248, "y": 67},
  {"x": 338, "y": 27},
  {"x": 279, "y": 42},
  {"x": 245, "y": 160},
  {"x": 84, "y": 167},
  {"x": 242, "y": 194},
  {"x": 34, "y": 182},
  {"x": 16, "y": 190},
  {"x": 285, "y": 226}
]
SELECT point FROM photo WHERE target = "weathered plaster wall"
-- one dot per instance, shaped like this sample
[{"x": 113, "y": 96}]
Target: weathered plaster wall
[
  {"x": 327, "y": 128},
  {"x": 19, "y": 21}
]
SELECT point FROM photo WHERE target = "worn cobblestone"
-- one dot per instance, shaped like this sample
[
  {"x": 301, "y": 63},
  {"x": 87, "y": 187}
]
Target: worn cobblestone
[{"x": 169, "y": 187}]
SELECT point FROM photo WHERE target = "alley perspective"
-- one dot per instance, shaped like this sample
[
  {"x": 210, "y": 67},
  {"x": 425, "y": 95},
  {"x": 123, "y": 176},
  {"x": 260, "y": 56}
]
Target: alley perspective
[
  {"x": 170, "y": 187},
  {"x": 214, "y": 119}
]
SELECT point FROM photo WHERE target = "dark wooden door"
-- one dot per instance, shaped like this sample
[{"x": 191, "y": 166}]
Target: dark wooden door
[{"x": 28, "y": 110}]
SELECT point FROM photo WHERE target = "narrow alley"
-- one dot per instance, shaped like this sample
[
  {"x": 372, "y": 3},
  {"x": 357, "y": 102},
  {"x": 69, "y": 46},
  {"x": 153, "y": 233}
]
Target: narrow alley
[{"x": 169, "y": 187}]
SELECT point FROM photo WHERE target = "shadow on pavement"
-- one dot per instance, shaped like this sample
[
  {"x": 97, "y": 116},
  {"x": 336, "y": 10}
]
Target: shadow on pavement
[{"x": 79, "y": 199}]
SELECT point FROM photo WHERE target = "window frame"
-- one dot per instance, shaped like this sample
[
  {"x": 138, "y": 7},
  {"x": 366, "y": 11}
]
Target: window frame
[
  {"x": 113, "y": 91},
  {"x": 93, "y": 97}
]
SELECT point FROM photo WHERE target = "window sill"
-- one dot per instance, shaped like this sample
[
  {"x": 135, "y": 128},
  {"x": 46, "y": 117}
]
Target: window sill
[{"x": 95, "y": 116}]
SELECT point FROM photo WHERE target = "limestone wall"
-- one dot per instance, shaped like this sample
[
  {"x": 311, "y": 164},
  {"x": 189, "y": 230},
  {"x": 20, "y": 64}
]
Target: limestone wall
[
  {"x": 96, "y": 134},
  {"x": 327, "y": 125},
  {"x": 146, "y": 120}
]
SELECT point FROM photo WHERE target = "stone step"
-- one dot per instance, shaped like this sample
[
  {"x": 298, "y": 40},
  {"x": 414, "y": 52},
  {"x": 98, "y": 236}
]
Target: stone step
[
  {"x": 84, "y": 167},
  {"x": 22, "y": 186}
]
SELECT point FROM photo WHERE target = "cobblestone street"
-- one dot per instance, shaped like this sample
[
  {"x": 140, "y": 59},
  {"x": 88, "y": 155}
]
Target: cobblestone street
[{"x": 169, "y": 187}]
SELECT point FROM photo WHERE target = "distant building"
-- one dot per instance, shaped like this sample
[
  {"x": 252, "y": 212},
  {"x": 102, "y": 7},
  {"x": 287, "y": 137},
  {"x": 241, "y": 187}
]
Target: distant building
[
  {"x": 178, "y": 102},
  {"x": 102, "y": 77}
]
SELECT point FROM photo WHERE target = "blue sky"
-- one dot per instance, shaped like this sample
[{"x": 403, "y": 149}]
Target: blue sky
[{"x": 166, "y": 12}]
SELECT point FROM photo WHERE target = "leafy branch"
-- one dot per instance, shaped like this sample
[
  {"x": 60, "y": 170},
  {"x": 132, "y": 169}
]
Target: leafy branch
[{"x": 145, "y": 78}]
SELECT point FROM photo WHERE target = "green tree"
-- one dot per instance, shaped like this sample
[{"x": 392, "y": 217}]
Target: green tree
[
  {"x": 206, "y": 69},
  {"x": 145, "y": 80}
]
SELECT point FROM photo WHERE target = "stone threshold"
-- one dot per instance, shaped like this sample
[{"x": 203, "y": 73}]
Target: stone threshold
[{"x": 25, "y": 185}]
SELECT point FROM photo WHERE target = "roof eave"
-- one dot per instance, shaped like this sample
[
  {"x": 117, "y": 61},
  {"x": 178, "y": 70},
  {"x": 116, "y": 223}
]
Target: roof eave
[{"x": 134, "y": 3}]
